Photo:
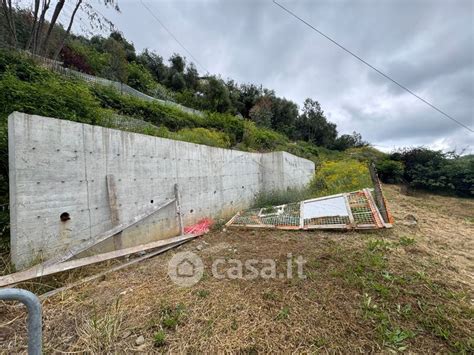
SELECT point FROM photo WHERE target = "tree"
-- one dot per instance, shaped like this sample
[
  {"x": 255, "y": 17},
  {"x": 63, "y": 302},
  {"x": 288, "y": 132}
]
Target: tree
[
  {"x": 312, "y": 125},
  {"x": 284, "y": 115},
  {"x": 261, "y": 113},
  {"x": 118, "y": 60},
  {"x": 127, "y": 46},
  {"x": 347, "y": 141},
  {"x": 57, "y": 10},
  {"x": 154, "y": 63},
  {"x": 191, "y": 77},
  {"x": 68, "y": 31},
  {"x": 249, "y": 94},
  {"x": 177, "y": 63},
  {"x": 177, "y": 82},
  {"x": 40, "y": 29},
  {"x": 235, "y": 97},
  {"x": 216, "y": 95},
  {"x": 8, "y": 12},
  {"x": 40, "y": 23}
]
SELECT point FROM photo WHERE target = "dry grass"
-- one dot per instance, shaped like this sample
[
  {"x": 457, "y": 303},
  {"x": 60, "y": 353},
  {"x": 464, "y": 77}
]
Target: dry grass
[{"x": 407, "y": 289}]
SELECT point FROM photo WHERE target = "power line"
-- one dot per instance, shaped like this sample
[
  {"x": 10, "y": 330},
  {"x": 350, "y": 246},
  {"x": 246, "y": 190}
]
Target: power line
[
  {"x": 172, "y": 35},
  {"x": 372, "y": 67}
]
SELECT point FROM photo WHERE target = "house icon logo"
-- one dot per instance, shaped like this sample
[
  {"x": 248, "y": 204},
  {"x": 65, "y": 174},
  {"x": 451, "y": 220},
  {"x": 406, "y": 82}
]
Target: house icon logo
[{"x": 185, "y": 269}]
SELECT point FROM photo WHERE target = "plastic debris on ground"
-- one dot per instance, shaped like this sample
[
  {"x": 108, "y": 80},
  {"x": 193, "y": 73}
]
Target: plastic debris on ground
[{"x": 200, "y": 228}]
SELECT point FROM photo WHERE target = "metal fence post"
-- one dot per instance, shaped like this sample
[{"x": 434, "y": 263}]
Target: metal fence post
[{"x": 33, "y": 306}]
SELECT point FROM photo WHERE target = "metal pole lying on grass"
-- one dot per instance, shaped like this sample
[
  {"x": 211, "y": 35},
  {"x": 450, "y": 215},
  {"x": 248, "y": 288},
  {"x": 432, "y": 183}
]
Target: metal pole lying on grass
[{"x": 33, "y": 307}]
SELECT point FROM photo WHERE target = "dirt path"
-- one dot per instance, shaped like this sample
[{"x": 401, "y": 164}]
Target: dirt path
[{"x": 406, "y": 288}]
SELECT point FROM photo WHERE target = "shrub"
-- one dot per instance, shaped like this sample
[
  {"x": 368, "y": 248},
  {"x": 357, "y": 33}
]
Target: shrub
[
  {"x": 334, "y": 177},
  {"x": 204, "y": 136},
  {"x": 53, "y": 97},
  {"x": 303, "y": 149},
  {"x": 460, "y": 172},
  {"x": 75, "y": 60},
  {"x": 255, "y": 138},
  {"x": 437, "y": 171},
  {"x": 140, "y": 78},
  {"x": 390, "y": 171},
  {"x": 85, "y": 58}
]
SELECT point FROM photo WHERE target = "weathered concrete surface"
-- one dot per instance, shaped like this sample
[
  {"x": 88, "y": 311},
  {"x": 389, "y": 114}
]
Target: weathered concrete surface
[{"x": 59, "y": 166}]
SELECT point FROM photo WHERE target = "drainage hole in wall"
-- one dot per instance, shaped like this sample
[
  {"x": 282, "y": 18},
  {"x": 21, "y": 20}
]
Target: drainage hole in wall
[
  {"x": 151, "y": 201},
  {"x": 64, "y": 217},
  {"x": 191, "y": 211}
]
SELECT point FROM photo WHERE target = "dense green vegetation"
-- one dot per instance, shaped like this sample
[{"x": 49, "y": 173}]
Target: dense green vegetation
[
  {"x": 334, "y": 177},
  {"x": 430, "y": 170}
]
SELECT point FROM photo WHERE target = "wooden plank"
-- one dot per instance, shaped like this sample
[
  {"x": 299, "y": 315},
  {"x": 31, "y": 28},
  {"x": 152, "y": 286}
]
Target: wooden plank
[
  {"x": 288, "y": 228},
  {"x": 323, "y": 198},
  {"x": 373, "y": 207},
  {"x": 177, "y": 198},
  {"x": 101, "y": 237},
  {"x": 113, "y": 205},
  {"x": 327, "y": 226},
  {"x": 349, "y": 210},
  {"x": 112, "y": 196},
  {"x": 44, "y": 270},
  {"x": 116, "y": 268},
  {"x": 232, "y": 219},
  {"x": 379, "y": 199},
  {"x": 301, "y": 214}
]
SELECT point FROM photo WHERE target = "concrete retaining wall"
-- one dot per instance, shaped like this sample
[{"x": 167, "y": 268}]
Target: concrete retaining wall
[{"x": 59, "y": 166}]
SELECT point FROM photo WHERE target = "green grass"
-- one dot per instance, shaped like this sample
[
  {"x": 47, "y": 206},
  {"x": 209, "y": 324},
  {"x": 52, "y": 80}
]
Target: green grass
[
  {"x": 270, "y": 296},
  {"x": 203, "y": 293},
  {"x": 159, "y": 338},
  {"x": 284, "y": 313},
  {"x": 407, "y": 241},
  {"x": 171, "y": 316},
  {"x": 401, "y": 304}
]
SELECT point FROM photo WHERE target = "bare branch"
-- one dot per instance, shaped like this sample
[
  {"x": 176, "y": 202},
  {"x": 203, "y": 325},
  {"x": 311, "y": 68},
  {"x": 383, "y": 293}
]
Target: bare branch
[
  {"x": 8, "y": 10},
  {"x": 54, "y": 18},
  {"x": 35, "y": 22},
  {"x": 39, "y": 28},
  {"x": 68, "y": 30}
]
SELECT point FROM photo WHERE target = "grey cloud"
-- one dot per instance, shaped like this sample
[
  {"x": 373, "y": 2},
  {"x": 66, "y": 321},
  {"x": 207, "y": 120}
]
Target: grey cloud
[{"x": 426, "y": 44}]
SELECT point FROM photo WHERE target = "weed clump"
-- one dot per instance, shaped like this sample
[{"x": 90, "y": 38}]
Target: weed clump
[{"x": 159, "y": 338}]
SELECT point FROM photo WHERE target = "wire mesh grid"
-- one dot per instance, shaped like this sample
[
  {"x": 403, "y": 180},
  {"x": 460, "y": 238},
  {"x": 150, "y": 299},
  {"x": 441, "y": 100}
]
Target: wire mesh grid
[
  {"x": 284, "y": 215},
  {"x": 247, "y": 217},
  {"x": 360, "y": 208},
  {"x": 329, "y": 221},
  {"x": 364, "y": 215}
]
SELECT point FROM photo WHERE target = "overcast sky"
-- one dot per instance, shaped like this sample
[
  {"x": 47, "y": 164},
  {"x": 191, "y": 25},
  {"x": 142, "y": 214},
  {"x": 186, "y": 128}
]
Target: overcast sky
[{"x": 427, "y": 45}]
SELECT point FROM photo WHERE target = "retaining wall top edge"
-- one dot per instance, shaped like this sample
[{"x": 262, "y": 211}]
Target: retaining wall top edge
[{"x": 22, "y": 115}]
